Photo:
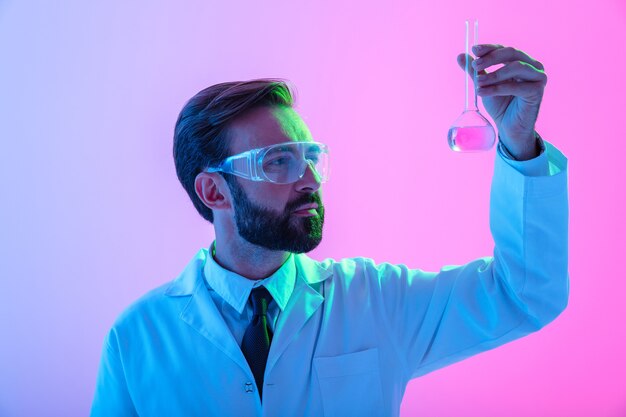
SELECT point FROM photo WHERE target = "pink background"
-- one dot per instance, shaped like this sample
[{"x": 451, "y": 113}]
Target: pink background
[{"x": 92, "y": 215}]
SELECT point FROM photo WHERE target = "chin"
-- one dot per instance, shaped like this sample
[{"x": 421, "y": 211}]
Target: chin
[{"x": 309, "y": 246}]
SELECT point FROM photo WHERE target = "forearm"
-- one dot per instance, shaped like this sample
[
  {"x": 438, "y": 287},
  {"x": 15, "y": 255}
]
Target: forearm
[{"x": 529, "y": 223}]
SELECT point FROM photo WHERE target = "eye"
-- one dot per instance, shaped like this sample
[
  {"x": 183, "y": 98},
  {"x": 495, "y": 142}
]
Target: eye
[{"x": 278, "y": 161}]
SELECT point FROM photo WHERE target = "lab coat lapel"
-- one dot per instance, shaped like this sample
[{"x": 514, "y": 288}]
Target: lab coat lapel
[
  {"x": 202, "y": 314},
  {"x": 303, "y": 303}
]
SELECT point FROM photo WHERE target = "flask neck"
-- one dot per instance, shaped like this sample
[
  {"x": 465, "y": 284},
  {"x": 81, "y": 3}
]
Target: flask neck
[{"x": 471, "y": 99}]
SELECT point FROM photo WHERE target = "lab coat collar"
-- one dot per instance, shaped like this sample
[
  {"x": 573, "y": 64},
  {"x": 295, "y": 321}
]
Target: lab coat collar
[
  {"x": 311, "y": 271},
  {"x": 191, "y": 276}
]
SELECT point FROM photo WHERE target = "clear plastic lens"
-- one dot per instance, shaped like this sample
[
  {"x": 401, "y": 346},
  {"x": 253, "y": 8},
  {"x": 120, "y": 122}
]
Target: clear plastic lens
[
  {"x": 321, "y": 166},
  {"x": 278, "y": 161},
  {"x": 286, "y": 163}
]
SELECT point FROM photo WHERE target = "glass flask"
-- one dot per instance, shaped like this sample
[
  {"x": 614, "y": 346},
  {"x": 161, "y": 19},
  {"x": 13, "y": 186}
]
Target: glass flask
[{"x": 471, "y": 131}]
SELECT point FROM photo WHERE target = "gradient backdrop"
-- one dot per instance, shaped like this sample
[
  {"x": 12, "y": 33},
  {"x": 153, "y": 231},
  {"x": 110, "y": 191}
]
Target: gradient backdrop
[{"x": 92, "y": 215}]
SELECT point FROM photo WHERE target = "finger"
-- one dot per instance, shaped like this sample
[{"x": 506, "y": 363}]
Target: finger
[
  {"x": 511, "y": 88},
  {"x": 516, "y": 71},
  {"x": 485, "y": 48},
  {"x": 460, "y": 59},
  {"x": 504, "y": 55}
]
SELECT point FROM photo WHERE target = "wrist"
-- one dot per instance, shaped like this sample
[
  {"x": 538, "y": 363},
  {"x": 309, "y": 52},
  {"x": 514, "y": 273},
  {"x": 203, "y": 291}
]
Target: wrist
[{"x": 530, "y": 150}]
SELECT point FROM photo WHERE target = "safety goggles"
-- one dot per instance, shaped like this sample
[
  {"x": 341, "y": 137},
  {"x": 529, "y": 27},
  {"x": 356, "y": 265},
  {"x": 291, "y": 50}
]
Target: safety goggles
[{"x": 283, "y": 163}]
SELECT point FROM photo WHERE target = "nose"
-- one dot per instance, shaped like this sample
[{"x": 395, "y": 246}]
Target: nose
[{"x": 310, "y": 181}]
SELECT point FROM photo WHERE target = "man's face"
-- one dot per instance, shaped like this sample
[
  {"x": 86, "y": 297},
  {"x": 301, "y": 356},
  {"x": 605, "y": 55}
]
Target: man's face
[{"x": 266, "y": 213}]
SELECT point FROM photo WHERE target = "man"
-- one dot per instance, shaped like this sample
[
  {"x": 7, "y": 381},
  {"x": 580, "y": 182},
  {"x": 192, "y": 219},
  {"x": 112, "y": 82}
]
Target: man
[{"x": 254, "y": 327}]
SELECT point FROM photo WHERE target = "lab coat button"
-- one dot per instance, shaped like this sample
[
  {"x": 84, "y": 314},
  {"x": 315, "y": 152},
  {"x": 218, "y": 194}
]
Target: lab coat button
[{"x": 249, "y": 387}]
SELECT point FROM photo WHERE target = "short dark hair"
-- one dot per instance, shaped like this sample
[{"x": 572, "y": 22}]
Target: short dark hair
[{"x": 201, "y": 135}]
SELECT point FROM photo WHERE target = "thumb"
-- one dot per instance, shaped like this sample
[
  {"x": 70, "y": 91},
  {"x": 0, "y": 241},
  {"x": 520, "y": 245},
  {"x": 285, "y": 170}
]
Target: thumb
[{"x": 460, "y": 59}]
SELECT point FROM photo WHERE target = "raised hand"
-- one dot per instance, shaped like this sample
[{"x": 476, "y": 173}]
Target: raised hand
[{"x": 511, "y": 95}]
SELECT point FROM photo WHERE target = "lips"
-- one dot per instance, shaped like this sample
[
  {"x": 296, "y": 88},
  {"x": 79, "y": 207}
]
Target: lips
[
  {"x": 306, "y": 210},
  {"x": 307, "y": 207}
]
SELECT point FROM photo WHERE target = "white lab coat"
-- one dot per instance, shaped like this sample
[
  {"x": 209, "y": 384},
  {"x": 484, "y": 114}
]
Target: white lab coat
[{"x": 353, "y": 332}]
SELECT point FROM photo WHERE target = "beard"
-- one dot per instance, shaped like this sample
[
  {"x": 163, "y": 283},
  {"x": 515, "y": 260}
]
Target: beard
[{"x": 278, "y": 231}]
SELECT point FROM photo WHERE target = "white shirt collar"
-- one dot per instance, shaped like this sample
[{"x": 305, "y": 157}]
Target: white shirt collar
[{"x": 235, "y": 289}]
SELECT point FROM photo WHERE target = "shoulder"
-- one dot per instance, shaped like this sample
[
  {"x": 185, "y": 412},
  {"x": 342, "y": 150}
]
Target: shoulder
[
  {"x": 169, "y": 295},
  {"x": 357, "y": 271},
  {"x": 155, "y": 306},
  {"x": 330, "y": 266},
  {"x": 346, "y": 271},
  {"x": 360, "y": 266}
]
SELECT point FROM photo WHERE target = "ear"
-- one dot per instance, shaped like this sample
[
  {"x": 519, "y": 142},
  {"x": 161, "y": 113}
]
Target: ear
[{"x": 212, "y": 190}]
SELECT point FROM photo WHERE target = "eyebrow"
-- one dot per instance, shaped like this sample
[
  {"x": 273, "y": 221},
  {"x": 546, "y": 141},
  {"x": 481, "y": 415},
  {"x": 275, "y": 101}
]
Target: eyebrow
[{"x": 284, "y": 148}]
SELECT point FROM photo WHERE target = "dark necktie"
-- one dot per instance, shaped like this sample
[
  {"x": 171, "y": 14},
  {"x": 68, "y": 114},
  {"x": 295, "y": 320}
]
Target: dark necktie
[{"x": 256, "y": 341}]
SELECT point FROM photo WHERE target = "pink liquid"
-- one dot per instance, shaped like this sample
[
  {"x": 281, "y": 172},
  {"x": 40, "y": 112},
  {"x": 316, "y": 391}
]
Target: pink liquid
[{"x": 471, "y": 138}]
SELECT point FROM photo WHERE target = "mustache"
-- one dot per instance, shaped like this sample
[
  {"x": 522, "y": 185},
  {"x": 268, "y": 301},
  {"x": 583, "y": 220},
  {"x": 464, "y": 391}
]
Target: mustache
[{"x": 305, "y": 199}]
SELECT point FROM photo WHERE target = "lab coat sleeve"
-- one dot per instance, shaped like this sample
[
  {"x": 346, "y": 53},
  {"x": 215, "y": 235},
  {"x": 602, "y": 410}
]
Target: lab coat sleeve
[
  {"x": 535, "y": 167},
  {"x": 435, "y": 319},
  {"x": 111, "y": 397}
]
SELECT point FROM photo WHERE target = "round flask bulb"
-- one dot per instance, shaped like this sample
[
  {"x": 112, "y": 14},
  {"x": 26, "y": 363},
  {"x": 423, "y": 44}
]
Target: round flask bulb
[{"x": 471, "y": 132}]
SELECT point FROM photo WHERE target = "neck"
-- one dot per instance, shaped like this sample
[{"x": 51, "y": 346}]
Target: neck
[{"x": 248, "y": 260}]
